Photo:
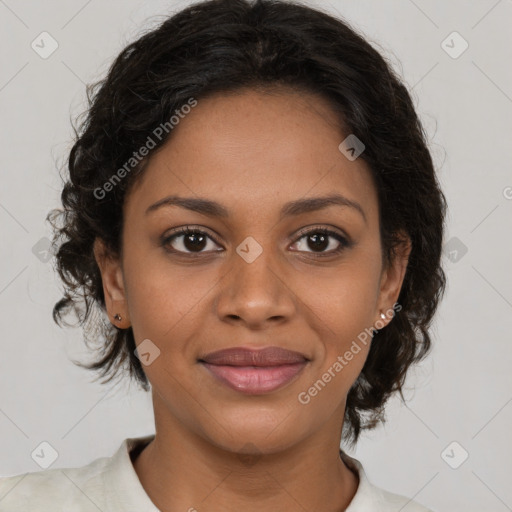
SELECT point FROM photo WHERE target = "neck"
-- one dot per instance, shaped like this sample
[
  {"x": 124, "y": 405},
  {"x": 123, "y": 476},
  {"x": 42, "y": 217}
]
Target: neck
[{"x": 181, "y": 471}]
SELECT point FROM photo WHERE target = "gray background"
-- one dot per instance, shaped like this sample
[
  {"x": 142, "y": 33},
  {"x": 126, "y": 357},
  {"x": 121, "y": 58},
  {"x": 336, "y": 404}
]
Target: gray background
[{"x": 462, "y": 393}]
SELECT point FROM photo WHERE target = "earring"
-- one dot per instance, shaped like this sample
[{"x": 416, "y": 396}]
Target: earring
[
  {"x": 117, "y": 317},
  {"x": 383, "y": 316}
]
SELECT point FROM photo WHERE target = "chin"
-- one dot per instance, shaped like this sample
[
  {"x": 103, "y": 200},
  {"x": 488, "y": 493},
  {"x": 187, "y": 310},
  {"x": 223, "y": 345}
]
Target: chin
[{"x": 262, "y": 433}]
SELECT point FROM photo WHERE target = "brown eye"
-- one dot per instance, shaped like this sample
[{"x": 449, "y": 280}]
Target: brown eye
[
  {"x": 187, "y": 240},
  {"x": 322, "y": 241}
]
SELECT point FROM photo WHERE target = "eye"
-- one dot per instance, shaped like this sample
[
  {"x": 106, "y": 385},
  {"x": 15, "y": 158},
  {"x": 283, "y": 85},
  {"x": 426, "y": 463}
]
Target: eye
[
  {"x": 321, "y": 239},
  {"x": 188, "y": 240}
]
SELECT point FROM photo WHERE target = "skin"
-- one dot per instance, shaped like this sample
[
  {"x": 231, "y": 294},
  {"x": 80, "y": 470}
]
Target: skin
[{"x": 217, "y": 449}]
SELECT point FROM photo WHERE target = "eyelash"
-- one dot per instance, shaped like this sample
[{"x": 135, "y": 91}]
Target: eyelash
[{"x": 344, "y": 243}]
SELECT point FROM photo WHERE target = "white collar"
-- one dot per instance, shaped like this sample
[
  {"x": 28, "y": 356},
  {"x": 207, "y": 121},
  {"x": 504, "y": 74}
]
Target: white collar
[{"x": 122, "y": 477}]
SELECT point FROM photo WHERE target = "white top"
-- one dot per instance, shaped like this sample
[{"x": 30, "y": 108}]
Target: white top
[{"x": 110, "y": 484}]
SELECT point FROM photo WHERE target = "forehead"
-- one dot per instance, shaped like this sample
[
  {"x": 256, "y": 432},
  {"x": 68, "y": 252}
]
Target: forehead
[{"x": 256, "y": 149}]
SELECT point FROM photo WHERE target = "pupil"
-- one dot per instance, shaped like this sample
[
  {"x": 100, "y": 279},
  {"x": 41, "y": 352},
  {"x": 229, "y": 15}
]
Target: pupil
[
  {"x": 319, "y": 241},
  {"x": 195, "y": 243}
]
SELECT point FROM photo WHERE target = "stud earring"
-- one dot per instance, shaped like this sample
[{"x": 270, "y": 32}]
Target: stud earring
[
  {"x": 117, "y": 317},
  {"x": 383, "y": 316}
]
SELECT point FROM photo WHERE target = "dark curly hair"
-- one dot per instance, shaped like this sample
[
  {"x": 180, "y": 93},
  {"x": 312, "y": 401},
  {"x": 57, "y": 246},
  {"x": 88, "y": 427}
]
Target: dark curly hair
[{"x": 220, "y": 46}]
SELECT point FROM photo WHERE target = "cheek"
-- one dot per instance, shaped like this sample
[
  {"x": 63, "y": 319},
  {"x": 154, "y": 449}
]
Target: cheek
[
  {"x": 343, "y": 350},
  {"x": 344, "y": 311},
  {"x": 163, "y": 298},
  {"x": 343, "y": 298}
]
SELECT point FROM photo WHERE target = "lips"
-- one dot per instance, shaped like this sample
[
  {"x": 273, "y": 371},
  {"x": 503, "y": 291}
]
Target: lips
[
  {"x": 254, "y": 371},
  {"x": 271, "y": 356}
]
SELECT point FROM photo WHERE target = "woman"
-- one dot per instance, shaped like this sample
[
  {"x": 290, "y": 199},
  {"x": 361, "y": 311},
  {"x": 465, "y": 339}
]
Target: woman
[{"x": 252, "y": 202}]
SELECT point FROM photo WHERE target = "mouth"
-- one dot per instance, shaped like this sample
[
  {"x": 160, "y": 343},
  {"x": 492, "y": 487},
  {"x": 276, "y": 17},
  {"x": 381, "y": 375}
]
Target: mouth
[{"x": 252, "y": 371}]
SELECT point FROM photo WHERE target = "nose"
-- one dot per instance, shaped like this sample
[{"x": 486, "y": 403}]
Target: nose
[{"x": 255, "y": 294}]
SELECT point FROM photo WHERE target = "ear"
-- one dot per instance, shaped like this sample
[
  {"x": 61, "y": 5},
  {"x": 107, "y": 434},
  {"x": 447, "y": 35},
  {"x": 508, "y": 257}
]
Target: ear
[
  {"x": 391, "y": 281},
  {"x": 113, "y": 285}
]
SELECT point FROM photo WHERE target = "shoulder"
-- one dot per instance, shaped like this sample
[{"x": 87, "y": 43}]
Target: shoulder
[
  {"x": 107, "y": 483},
  {"x": 370, "y": 497},
  {"x": 396, "y": 502},
  {"x": 70, "y": 489}
]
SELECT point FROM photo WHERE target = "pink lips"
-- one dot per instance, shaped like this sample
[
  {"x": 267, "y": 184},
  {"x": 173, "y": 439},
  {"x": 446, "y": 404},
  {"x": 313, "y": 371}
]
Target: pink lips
[{"x": 254, "y": 371}]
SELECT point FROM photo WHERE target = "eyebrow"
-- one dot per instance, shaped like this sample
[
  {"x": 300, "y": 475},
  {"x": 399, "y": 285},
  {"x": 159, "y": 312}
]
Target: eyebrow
[{"x": 292, "y": 208}]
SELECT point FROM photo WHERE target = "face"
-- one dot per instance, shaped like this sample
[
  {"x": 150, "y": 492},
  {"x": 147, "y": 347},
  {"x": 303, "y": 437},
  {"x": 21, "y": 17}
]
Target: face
[{"x": 262, "y": 267}]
